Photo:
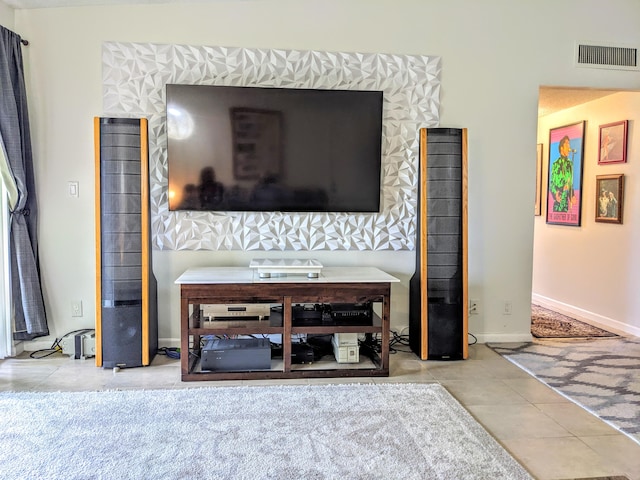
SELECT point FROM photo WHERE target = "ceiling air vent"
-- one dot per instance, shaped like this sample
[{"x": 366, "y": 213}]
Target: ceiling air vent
[{"x": 602, "y": 56}]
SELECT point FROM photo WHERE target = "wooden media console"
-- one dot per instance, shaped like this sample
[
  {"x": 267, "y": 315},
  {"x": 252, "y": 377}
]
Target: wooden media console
[{"x": 284, "y": 297}]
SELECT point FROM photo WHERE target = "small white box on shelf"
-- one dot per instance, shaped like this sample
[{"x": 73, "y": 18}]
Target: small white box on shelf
[
  {"x": 345, "y": 347},
  {"x": 346, "y": 339}
]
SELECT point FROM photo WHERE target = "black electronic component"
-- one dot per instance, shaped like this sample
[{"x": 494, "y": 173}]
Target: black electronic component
[
  {"x": 307, "y": 315},
  {"x": 276, "y": 155},
  {"x": 333, "y": 314},
  {"x": 236, "y": 354},
  {"x": 352, "y": 313},
  {"x": 301, "y": 353}
]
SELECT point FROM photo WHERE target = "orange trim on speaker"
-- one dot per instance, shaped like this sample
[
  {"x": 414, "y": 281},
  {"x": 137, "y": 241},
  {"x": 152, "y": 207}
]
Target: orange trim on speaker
[
  {"x": 424, "y": 304},
  {"x": 144, "y": 203},
  {"x": 465, "y": 249},
  {"x": 98, "y": 327}
]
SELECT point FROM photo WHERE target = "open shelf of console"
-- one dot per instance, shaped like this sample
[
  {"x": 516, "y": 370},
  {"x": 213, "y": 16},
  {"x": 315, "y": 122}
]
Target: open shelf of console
[{"x": 240, "y": 289}]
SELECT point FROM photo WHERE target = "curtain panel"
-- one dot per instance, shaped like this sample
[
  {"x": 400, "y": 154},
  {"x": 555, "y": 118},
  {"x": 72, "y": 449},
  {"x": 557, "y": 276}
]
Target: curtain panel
[{"x": 15, "y": 140}]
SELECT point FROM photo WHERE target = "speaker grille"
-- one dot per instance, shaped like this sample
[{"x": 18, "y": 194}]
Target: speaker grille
[{"x": 121, "y": 215}]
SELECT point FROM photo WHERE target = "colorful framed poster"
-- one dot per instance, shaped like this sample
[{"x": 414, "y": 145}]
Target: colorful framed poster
[
  {"x": 537, "y": 207},
  {"x": 613, "y": 143},
  {"x": 609, "y": 198},
  {"x": 564, "y": 193}
]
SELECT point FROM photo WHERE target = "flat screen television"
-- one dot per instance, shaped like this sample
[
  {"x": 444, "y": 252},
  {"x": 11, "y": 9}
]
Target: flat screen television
[{"x": 273, "y": 149}]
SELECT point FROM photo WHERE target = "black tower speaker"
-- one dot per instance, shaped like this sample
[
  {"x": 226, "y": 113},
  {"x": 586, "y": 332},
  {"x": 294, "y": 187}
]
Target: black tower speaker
[
  {"x": 438, "y": 297},
  {"x": 126, "y": 290}
]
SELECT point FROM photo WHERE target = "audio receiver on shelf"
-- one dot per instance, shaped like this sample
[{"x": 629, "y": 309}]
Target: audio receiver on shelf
[
  {"x": 332, "y": 314},
  {"x": 212, "y": 314}
]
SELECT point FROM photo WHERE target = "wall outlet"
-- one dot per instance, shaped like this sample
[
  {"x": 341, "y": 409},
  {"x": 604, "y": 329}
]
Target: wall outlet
[
  {"x": 507, "y": 307},
  {"x": 474, "y": 307},
  {"x": 76, "y": 308}
]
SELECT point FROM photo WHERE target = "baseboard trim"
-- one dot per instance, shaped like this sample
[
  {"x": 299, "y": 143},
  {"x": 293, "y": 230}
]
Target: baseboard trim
[
  {"x": 35, "y": 345},
  {"x": 17, "y": 348},
  {"x": 169, "y": 342},
  {"x": 503, "y": 337},
  {"x": 586, "y": 316},
  {"x": 485, "y": 337}
]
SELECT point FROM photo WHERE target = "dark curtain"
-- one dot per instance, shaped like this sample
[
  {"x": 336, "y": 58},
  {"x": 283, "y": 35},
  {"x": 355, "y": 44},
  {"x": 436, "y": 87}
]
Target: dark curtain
[{"x": 15, "y": 139}]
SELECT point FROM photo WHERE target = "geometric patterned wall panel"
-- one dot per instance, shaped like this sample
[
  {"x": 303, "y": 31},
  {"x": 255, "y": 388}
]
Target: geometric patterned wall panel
[{"x": 134, "y": 79}]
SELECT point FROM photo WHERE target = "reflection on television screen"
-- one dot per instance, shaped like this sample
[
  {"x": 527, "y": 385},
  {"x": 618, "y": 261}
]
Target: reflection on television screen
[{"x": 273, "y": 149}]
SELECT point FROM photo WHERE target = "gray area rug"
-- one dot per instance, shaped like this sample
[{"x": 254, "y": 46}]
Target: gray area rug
[
  {"x": 601, "y": 374},
  {"x": 546, "y": 323},
  {"x": 408, "y": 431}
]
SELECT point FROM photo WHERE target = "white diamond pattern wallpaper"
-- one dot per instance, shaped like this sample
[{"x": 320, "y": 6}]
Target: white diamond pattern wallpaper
[{"x": 134, "y": 79}]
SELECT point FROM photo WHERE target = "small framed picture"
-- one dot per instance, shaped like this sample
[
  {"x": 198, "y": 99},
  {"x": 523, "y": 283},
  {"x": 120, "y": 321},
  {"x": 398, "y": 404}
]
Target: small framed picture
[
  {"x": 609, "y": 198},
  {"x": 613, "y": 143}
]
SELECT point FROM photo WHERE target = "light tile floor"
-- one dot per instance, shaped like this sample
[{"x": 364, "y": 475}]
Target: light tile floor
[{"x": 552, "y": 437}]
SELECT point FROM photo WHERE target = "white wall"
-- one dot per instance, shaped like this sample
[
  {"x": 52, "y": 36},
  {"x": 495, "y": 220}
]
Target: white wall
[
  {"x": 6, "y": 15},
  {"x": 592, "y": 272},
  {"x": 495, "y": 55}
]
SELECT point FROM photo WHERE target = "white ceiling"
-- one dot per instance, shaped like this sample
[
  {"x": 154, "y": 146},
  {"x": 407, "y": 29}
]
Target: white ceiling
[{"x": 551, "y": 99}]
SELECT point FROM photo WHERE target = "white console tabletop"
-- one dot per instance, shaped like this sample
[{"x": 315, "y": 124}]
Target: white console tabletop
[{"x": 218, "y": 275}]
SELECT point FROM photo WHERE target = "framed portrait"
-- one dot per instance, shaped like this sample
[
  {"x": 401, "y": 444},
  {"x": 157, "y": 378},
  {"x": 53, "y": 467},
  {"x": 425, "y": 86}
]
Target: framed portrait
[
  {"x": 256, "y": 143},
  {"x": 537, "y": 207},
  {"x": 613, "y": 143},
  {"x": 564, "y": 189},
  {"x": 609, "y": 198}
]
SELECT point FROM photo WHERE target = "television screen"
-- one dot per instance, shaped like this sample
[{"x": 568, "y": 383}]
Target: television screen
[{"x": 273, "y": 149}]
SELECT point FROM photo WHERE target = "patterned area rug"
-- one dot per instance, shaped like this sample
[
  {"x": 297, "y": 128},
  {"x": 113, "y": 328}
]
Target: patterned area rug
[
  {"x": 602, "y": 374},
  {"x": 279, "y": 432},
  {"x": 546, "y": 323}
]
